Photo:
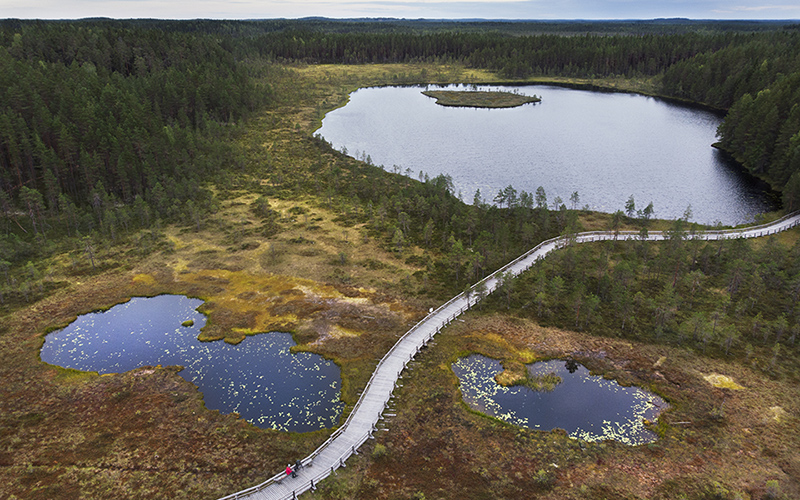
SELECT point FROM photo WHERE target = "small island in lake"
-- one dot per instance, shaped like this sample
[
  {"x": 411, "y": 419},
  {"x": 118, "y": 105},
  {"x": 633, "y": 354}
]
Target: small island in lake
[{"x": 480, "y": 99}]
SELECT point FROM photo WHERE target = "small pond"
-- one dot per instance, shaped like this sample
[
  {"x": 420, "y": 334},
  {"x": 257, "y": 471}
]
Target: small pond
[
  {"x": 259, "y": 378},
  {"x": 588, "y": 407},
  {"x": 606, "y": 146}
]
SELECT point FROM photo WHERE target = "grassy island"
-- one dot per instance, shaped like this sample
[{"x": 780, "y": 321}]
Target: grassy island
[
  {"x": 480, "y": 99},
  {"x": 516, "y": 373}
]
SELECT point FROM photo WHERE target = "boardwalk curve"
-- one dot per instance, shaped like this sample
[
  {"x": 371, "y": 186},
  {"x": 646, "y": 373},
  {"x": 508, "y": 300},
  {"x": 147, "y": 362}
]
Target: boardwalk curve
[{"x": 360, "y": 424}]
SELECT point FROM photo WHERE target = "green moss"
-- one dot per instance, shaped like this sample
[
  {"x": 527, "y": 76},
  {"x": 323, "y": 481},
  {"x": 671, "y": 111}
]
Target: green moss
[
  {"x": 64, "y": 375},
  {"x": 379, "y": 451}
]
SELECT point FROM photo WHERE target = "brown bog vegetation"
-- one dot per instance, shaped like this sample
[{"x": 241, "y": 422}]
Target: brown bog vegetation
[
  {"x": 275, "y": 253},
  {"x": 713, "y": 442}
]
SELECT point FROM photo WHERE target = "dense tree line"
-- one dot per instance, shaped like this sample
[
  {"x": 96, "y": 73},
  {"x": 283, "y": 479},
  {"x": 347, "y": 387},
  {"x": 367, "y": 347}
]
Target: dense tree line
[
  {"x": 584, "y": 56},
  {"x": 130, "y": 103},
  {"x": 245, "y": 29},
  {"x": 589, "y": 55},
  {"x": 120, "y": 101},
  {"x": 758, "y": 80},
  {"x": 754, "y": 75},
  {"x": 111, "y": 124},
  {"x": 728, "y": 296},
  {"x": 104, "y": 128}
]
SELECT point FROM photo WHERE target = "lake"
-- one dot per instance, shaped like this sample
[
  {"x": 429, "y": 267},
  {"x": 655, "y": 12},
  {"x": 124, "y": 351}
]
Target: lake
[
  {"x": 606, "y": 146},
  {"x": 259, "y": 378},
  {"x": 587, "y": 406}
]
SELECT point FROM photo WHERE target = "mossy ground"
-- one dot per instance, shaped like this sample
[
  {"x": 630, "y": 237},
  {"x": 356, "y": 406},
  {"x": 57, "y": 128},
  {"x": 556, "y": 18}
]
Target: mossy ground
[
  {"x": 146, "y": 434},
  {"x": 712, "y": 441},
  {"x": 478, "y": 99},
  {"x": 310, "y": 268}
]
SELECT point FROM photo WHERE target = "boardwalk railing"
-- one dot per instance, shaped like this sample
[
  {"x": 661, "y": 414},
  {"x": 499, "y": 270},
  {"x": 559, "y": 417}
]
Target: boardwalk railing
[{"x": 359, "y": 425}]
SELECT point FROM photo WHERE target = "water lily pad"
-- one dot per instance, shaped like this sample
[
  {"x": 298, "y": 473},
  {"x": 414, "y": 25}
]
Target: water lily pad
[
  {"x": 586, "y": 406},
  {"x": 261, "y": 379}
]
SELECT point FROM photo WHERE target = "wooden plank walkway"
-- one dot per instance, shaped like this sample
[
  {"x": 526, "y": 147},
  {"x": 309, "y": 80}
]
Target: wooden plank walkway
[{"x": 360, "y": 424}]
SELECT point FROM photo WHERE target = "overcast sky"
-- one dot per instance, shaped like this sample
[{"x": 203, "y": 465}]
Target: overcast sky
[{"x": 430, "y": 9}]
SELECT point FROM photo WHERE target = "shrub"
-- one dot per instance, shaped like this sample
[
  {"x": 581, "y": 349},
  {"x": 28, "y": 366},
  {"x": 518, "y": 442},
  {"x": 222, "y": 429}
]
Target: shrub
[{"x": 379, "y": 451}]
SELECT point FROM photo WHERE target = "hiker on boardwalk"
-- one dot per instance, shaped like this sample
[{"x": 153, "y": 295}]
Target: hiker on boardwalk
[{"x": 289, "y": 470}]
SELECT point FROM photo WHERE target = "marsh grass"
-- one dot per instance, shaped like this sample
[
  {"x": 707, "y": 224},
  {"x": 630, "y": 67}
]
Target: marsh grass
[
  {"x": 480, "y": 99},
  {"x": 65, "y": 435},
  {"x": 160, "y": 441},
  {"x": 515, "y": 373},
  {"x": 438, "y": 446}
]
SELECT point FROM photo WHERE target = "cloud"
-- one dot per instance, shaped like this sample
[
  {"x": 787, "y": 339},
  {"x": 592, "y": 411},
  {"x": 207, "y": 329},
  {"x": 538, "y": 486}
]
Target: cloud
[
  {"x": 760, "y": 11},
  {"x": 431, "y": 9},
  {"x": 429, "y": 3},
  {"x": 759, "y": 8}
]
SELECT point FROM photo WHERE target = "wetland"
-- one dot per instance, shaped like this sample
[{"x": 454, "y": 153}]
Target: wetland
[
  {"x": 258, "y": 378},
  {"x": 147, "y": 433},
  {"x": 588, "y": 407},
  {"x": 605, "y": 146}
]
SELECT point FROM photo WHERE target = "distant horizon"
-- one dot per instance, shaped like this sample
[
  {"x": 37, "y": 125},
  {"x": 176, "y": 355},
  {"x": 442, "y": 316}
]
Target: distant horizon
[
  {"x": 451, "y": 10},
  {"x": 420, "y": 19}
]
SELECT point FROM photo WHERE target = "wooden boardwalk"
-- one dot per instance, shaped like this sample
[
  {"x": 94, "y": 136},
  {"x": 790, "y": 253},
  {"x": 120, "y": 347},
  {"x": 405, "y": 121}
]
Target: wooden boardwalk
[{"x": 360, "y": 424}]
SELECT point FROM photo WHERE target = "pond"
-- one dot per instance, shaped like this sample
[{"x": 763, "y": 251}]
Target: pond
[
  {"x": 606, "y": 146},
  {"x": 588, "y": 407},
  {"x": 259, "y": 378}
]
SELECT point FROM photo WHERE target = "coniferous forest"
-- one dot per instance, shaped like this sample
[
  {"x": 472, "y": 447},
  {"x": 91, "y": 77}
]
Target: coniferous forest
[
  {"x": 146, "y": 157},
  {"x": 107, "y": 127},
  {"x": 105, "y": 117}
]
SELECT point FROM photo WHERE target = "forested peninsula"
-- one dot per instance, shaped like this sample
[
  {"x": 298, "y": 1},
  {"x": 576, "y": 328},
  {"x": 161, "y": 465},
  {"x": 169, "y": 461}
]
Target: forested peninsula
[{"x": 148, "y": 157}]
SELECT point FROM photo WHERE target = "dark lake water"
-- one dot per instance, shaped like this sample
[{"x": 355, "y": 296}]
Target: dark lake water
[
  {"x": 259, "y": 378},
  {"x": 588, "y": 407},
  {"x": 606, "y": 146}
]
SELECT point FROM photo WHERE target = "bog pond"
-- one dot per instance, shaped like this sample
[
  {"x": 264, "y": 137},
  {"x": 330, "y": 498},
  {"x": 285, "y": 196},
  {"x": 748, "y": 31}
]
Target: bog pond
[
  {"x": 587, "y": 406},
  {"x": 259, "y": 378},
  {"x": 274, "y": 388},
  {"x": 606, "y": 146}
]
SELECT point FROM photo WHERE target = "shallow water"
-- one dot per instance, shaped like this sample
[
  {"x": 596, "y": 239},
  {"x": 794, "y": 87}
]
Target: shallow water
[
  {"x": 606, "y": 146},
  {"x": 588, "y": 407},
  {"x": 259, "y": 378}
]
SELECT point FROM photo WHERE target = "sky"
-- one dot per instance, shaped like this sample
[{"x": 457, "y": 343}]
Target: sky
[{"x": 409, "y": 9}]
